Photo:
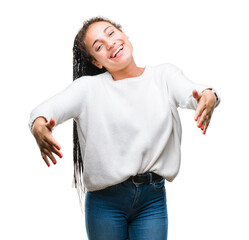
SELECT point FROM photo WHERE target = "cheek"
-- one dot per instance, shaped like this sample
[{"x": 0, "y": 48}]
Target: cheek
[
  {"x": 95, "y": 54},
  {"x": 130, "y": 46},
  {"x": 100, "y": 57}
]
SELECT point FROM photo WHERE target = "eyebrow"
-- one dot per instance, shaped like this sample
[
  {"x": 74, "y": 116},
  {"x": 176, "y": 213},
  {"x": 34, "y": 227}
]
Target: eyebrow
[{"x": 98, "y": 39}]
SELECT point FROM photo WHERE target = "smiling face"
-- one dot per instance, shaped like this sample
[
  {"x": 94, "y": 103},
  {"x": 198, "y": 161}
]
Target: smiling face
[{"x": 109, "y": 46}]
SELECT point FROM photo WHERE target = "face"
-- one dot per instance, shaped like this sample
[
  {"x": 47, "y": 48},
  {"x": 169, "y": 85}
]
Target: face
[{"x": 109, "y": 46}]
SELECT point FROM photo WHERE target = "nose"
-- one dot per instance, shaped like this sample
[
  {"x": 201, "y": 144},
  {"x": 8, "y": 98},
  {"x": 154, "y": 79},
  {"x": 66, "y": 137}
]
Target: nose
[{"x": 110, "y": 45}]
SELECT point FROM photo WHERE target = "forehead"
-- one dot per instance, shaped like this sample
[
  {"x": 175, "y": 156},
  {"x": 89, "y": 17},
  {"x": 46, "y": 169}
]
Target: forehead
[{"x": 96, "y": 30}]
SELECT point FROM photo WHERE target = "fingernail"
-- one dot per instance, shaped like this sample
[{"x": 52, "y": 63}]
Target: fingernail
[
  {"x": 202, "y": 128},
  {"x": 54, "y": 162},
  {"x": 204, "y": 132},
  {"x": 48, "y": 164},
  {"x": 60, "y": 155},
  {"x": 199, "y": 125},
  {"x": 58, "y": 147},
  {"x": 196, "y": 118}
]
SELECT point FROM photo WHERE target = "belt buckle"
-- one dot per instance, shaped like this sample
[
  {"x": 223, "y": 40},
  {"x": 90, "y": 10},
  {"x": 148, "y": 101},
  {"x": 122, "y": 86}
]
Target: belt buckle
[{"x": 132, "y": 179}]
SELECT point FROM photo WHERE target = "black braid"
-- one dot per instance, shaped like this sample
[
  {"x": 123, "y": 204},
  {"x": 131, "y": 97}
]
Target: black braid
[{"x": 81, "y": 67}]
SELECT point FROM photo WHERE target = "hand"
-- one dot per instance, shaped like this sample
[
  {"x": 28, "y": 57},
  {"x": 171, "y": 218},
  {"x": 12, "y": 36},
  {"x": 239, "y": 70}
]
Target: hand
[
  {"x": 206, "y": 101},
  {"x": 42, "y": 132}
]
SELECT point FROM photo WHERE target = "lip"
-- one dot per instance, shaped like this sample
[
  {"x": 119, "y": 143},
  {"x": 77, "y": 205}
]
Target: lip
[{"x": 113, "y": 51}]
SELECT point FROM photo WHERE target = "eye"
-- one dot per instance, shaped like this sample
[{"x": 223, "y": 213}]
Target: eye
[
  {"x": 111, "y": 33},
  {"x": 98, "y": 48}
]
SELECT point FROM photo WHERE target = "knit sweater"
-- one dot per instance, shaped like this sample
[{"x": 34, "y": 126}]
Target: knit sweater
[{"x": 125, "y": 127}]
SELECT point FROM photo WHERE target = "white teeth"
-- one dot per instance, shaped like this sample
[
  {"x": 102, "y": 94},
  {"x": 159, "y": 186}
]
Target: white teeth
[{"x": 114, "y": 54}]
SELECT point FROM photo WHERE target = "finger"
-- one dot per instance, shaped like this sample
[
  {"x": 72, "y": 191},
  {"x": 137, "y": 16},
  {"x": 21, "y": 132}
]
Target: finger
[
  {"x": 54, "y": 145},
  {"x": 202, "y": 118},
  {"x": 50, "y": 155},
  {"x": 203, "y": 127},
  {"x": 52, "y": 148},
  {"x": 195, "y": 94},
  {"x": 55, "y": 150},
  {"x": 199, "y": 111},
  {"x": 44, "y": 156},
  {"x": 50, "y": 124},
  {"x": 206, "y": 126}
]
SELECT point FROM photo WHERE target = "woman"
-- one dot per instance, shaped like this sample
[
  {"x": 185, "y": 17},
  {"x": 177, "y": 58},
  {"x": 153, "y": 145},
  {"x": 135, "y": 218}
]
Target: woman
[{"x": 127, "y": 131}]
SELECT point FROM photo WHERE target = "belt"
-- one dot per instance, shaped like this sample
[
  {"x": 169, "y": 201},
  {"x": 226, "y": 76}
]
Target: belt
[{"x": 145, "y": 178}]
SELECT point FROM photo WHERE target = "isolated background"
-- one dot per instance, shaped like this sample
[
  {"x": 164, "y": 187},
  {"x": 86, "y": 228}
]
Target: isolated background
[{"x": 208, "y": 40}]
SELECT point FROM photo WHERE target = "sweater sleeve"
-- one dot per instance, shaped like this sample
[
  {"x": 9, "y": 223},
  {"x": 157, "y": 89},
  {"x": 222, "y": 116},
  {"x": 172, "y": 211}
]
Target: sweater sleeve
[
  {"x": 66, "y": 104},
  {"x": 180, "y": 88}
]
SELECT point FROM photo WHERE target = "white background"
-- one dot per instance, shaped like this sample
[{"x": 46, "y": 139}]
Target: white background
[{"x": 208, "y": 40}]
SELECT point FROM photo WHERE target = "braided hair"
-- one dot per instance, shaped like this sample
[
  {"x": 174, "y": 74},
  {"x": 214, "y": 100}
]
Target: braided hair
[{"x": 82, "y": 66}]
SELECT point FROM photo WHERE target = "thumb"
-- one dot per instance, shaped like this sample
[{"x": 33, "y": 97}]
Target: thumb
[
  {"x": 196, "y": 95},
  {"x": 51, "y": 124}
]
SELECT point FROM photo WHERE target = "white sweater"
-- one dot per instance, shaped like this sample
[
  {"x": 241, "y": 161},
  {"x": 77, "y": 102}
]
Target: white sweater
[{"x": 125, "y": 127}]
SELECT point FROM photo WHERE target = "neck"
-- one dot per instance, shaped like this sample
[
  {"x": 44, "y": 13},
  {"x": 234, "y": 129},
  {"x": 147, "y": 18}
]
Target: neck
[{"x": 132, "y": 70}]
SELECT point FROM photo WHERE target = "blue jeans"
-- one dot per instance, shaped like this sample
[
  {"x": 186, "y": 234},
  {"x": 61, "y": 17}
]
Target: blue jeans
[{"x": 127, "y": 211}]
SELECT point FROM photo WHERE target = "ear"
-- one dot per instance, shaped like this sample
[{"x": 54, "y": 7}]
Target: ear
[{"x": 97, "y": 64}]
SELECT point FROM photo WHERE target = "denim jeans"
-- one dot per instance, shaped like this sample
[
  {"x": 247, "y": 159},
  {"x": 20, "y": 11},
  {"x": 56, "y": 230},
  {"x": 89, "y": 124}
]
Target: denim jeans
[{"x": 127, "y": 211}]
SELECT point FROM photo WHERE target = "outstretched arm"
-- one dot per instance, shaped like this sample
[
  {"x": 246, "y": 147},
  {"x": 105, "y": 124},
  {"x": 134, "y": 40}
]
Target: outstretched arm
[
  {"x": 65, "y": 105},
  {"x": 186, "y": 94},
  {"x": 206, "y": 101}
]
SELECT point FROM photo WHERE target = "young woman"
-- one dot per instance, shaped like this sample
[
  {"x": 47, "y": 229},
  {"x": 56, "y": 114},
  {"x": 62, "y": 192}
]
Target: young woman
[{"x": 127, "y": 131}]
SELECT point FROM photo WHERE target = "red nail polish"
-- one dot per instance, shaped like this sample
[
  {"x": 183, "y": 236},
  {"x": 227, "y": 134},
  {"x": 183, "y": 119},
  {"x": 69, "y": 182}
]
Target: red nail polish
[
  {"x": 58, "y": 147},
  {"x": 48, "y": 164},
  {"x": 54, "y": 162},
  {"x": 60, "y": 155},
  {"x": 199, "y": 125},
  {"x": 202, "y": 128},
  {"x": 204, "y": 132}
]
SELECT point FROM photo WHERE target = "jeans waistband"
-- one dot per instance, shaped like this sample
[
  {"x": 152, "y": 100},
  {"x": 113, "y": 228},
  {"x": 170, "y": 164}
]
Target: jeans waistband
[{"x": 145, "y": 178}]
